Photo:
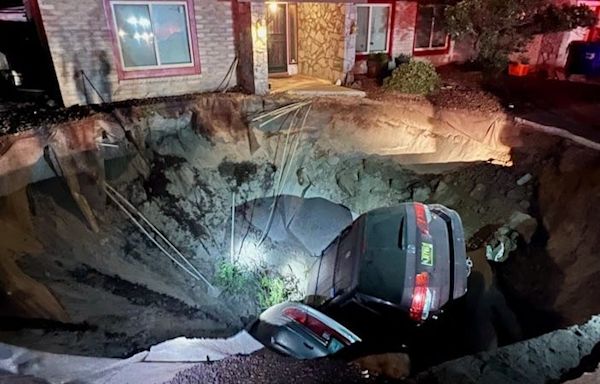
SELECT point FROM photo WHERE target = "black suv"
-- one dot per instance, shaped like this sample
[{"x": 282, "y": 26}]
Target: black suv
[{"x": 410, "y": 257}]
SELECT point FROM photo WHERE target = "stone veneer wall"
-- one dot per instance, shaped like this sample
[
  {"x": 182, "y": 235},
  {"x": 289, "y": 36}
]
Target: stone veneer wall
[{"x": 325, "y": 46}]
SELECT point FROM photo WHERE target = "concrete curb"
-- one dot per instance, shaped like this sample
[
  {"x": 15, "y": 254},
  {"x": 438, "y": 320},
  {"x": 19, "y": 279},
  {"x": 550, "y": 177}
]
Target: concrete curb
[{"x": 555, "y": 131}]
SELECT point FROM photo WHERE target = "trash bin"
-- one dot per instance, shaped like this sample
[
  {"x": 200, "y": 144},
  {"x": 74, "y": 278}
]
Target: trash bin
[{"x": 583, "y": 59}]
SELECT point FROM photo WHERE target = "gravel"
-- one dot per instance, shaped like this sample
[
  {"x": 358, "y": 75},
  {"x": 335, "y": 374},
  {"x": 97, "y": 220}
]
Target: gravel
[{"x": 269, "y": 367}]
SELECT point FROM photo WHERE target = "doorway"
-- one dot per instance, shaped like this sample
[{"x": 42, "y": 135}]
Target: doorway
[{"x": 277, "y": 37}]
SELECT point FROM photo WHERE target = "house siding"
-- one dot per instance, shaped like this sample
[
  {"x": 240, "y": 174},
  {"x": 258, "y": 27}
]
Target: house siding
[
  {"x": 79, "y": 40},
  {"x": 550, "y": 51}
]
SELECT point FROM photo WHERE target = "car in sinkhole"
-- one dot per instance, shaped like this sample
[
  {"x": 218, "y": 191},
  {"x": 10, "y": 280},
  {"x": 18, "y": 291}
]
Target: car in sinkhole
[
  {"x": 300, "y": 331},
  {"x": 410, "y": 259}
]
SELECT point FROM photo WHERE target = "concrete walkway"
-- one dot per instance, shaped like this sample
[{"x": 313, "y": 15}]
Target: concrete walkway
[{"x": 302, "y": 85}]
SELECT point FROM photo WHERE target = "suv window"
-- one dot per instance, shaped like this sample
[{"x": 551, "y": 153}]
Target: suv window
[{"x": 345, "y": 261}]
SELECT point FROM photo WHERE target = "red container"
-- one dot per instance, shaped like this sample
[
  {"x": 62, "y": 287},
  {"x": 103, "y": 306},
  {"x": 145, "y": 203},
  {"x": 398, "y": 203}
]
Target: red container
[{"x": 518, "y": 69}]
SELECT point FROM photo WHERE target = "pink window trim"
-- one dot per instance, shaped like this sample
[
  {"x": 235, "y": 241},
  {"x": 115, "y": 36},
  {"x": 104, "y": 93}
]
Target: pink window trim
[
  {"x": 429, "y": 51},
  {"x": 158, "y": 72}
]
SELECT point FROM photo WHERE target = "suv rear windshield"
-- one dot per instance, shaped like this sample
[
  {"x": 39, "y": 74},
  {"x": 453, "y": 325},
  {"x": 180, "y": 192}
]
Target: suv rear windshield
[{"x": 383, "y": 264}]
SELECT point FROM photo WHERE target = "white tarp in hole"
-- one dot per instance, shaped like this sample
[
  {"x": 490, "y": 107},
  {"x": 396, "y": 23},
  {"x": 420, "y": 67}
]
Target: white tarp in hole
[{"x": 183, "y": 349}]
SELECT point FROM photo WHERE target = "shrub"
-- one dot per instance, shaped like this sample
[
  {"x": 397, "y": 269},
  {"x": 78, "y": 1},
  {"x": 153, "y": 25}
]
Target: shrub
[
  {"x": 418, "y": 77},
  {"x": 499, "y": 28},
  {"x": 380, "y": 57},
  {"x": 233, "y": 277},
  {"x": 275, "y": 289},
  {"x": 269, "y": 287},
  {"x": 402, "y": 59}
]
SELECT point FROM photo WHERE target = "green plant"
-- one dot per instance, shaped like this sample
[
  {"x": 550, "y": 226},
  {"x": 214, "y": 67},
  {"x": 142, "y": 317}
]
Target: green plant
[
  {"x": 381, "y": 58},
  {"x": 402, "y": 59},
  {"x": 233, "y": 277},
  {"x": 498, "y": 28},
  {"x": 418, "y": 77},
  {"x": 275, "y": 288}
]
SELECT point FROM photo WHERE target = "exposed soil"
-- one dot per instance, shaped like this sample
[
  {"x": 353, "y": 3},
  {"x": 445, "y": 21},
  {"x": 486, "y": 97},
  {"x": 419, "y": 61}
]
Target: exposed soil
[{"x": 120, "y": 294}]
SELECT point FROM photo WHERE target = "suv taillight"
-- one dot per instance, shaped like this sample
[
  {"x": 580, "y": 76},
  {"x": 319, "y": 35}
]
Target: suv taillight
[{"x": 421, "y": 298}]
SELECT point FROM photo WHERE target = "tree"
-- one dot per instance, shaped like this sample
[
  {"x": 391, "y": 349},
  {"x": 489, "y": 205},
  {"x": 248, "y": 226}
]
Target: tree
[{"x": 499, "y": 28}]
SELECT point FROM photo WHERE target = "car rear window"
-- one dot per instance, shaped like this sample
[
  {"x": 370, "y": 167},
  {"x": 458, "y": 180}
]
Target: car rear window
[{"x": 383, "y": 265}]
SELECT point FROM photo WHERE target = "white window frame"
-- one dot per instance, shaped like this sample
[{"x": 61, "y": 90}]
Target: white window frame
[
  {"x": 389, "y": 27},
  {"x": 149, "y": 3},
  {"x": 430, "y": 48}
]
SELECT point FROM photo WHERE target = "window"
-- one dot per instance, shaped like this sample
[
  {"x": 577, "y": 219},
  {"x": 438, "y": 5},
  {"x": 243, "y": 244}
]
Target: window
[
  {"x": 372, "y": 22},
  {"x": 153, "y": 38},
  {"x": 430, "y": 34}
]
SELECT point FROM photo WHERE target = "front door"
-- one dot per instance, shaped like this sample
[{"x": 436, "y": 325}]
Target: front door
[{"x": 277, "y": 37}]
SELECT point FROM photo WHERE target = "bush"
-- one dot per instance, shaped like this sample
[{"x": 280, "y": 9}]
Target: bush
[
  {"x": 402, "y": 59},
  {"x": 275, "y": 289},
  {"x": 418, "y": 77},
  {"x": 500, "y": 28},
  {"x": 233, "y": 277},
  {"x": 269, "y": 287}
]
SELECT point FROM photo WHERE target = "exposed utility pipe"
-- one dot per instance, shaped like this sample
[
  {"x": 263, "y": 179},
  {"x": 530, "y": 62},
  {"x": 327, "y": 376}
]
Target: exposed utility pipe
[
  {"x": 232, "y": 226},
  {"x": 114, "y": 195},
  {"x": 127, "y": 133},
  {"x": 227, "y": 79},
  {"x": 279, "y": 112},
  {"x": 293, "y": 154},
  {"x": 276, "y": 187},
  {"x": 559, "y": 132}
]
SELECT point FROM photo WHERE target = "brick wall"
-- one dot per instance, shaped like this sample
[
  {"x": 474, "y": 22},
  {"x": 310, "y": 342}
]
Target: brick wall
[
  {"x": 403, "y": 34},
  {"x": 79, "y": 39},
  {"x": 403, "y": 37}
]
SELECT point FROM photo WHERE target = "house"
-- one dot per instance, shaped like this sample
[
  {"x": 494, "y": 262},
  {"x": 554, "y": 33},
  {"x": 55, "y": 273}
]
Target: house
[
  {"x": 550, "y": 51},
  {"x": 109, "y": 50}
]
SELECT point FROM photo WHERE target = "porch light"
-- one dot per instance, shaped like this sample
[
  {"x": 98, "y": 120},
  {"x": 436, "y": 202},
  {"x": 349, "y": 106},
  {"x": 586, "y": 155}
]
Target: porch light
[{"x": 261, "y": 30}]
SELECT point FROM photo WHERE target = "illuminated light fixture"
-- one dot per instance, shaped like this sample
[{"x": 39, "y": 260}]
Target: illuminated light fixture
[
  {"x": 122, "y": 33},
  {"x": 143, "y": 22},
  {"x": 273, "y": 7},
  {"x": 261, "y": 30}
]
